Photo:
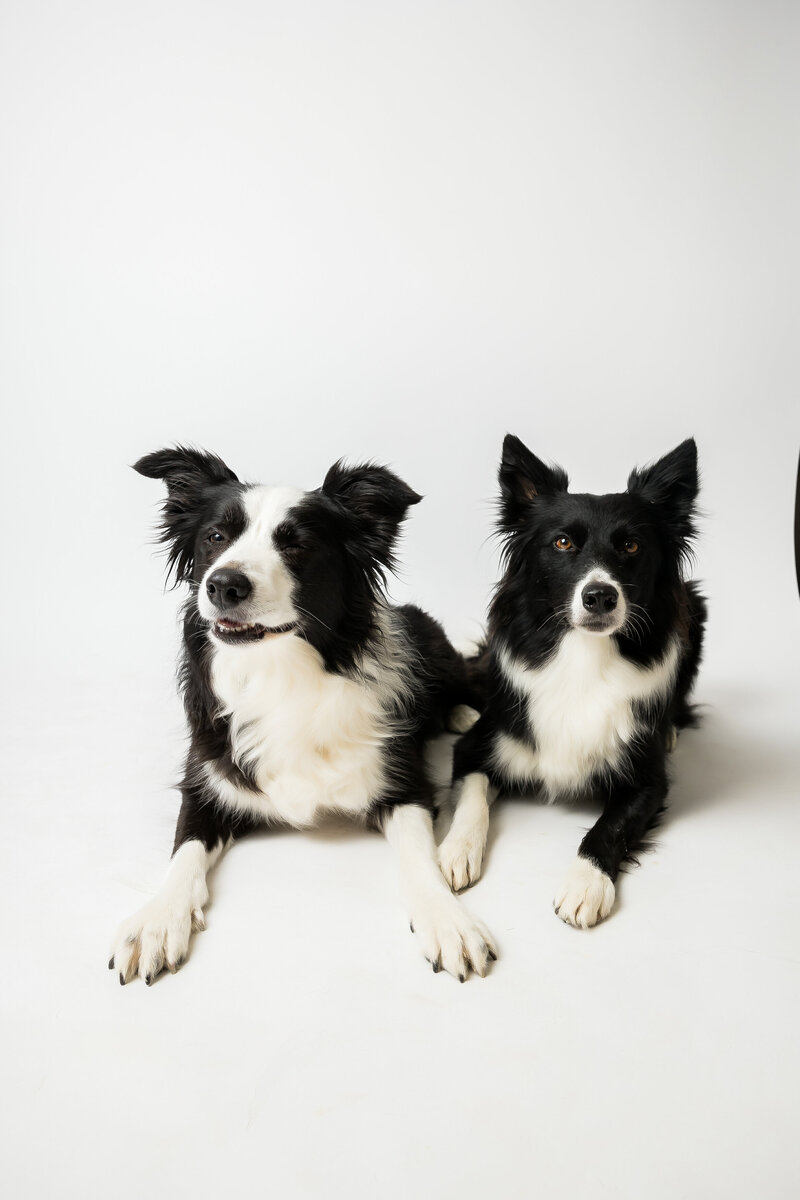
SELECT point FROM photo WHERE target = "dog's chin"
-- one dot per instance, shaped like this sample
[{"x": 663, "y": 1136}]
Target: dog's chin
[{"x": 239, "y": 633}]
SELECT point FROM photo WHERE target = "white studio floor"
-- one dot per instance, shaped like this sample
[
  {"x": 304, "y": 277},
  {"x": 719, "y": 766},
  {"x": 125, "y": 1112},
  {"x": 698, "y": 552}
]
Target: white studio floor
[
  {"x": 306, "y": 1049},
  {"x": 294, "y": 232}
]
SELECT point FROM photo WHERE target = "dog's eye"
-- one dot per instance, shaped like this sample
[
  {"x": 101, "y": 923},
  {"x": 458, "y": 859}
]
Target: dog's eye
[
  {"x": 215, "y": 536},
  {"x": 564, "y": 543},
  {"x": 631, "y": 546},
  {"x": 288, "y": 540}
]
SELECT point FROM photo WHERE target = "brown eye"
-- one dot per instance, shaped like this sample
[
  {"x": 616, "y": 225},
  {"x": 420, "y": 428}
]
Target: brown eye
[
  {"x": 288, "y": 542},
  {"x": 631, "y": 546},
  {"x": 215, "y": 536},
  {"x": 564, "y": 543}
]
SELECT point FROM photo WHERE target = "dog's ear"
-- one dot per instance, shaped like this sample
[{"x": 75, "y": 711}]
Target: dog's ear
[
  {"x": 376, "y": 499},
  {"x": 188, "y": 473},
  {"x": 184, "y": 469},
  {"x": 671, "y": 484},
  {"x": 523, "y": 477}
]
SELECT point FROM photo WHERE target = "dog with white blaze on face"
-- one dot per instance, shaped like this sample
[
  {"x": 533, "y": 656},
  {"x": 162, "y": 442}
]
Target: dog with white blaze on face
[
  {"x": 594, "y": 641},
  {"x": 306, "y": 692}
]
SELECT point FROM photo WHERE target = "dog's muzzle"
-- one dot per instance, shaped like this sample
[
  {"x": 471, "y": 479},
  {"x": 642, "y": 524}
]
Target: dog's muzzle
[{"x": 598, "y": 605}]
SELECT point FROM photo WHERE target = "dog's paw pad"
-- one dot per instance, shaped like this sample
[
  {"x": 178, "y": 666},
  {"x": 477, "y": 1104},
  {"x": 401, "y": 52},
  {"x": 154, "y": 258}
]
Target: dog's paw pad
[
  {"x": 461, "y": 858},
  {"x": 451, "y": 938},
  {"x": 586, "y": 895},
  {"x": 461, "y": 718}
]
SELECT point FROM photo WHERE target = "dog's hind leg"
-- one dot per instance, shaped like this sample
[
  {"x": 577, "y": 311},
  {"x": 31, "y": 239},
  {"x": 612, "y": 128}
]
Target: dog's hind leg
[
  {"x": 461, "y": 718},
  {"x": 684, "y": 714}
]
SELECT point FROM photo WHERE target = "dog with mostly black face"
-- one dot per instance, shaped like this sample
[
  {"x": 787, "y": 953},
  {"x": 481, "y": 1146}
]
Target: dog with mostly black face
[
  {"x": 306, "y": 692},
  {"x": 594, "y": 641}
]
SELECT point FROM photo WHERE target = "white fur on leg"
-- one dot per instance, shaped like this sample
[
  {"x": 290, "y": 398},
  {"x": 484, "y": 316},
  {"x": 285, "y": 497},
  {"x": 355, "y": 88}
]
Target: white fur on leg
[
  {"x": 586, "y": 895},
  {"x": 461, "y": 718},
  {"x": 158, "y": 934},
  {"x": 461, "y": 853},
  {"x": 451, "y": 937}
]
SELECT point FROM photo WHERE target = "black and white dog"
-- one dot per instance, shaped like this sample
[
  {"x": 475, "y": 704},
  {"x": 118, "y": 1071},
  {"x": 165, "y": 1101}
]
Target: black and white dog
[
  {"x": 594, "y": 641},
  {"x": 305, "y": 691}
]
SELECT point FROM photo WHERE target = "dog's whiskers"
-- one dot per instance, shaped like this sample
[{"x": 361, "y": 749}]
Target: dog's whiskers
[
  {"x": 314, "y": 617},
  {"x": 561, "y": 611}
]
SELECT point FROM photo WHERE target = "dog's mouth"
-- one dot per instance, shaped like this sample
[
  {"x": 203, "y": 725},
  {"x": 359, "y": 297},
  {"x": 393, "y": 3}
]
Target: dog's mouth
[
  {"x": 599, "y": 625},
  {"x": 232, "y": 632}
]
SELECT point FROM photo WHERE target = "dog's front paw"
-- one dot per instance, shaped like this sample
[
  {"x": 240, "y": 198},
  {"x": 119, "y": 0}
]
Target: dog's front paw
[
  {"x": 461, "y": 855},
  {"x": 155, "y": 937},
  {"x": 586, "y": 895},
  {"x": 452, "y": 939}
]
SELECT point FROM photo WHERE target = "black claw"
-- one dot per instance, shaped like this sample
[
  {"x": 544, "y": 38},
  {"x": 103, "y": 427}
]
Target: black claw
[
  {"x": 437, "y": 966},
  {"x": 111, "y": 963},
  {"x": 492, "y": 956},
  {"x": 148, "y": 979},
  {"x": 411, "y": 926},
  {"x": 462, "y": 978},
  {"x": 122, "y": 979}
]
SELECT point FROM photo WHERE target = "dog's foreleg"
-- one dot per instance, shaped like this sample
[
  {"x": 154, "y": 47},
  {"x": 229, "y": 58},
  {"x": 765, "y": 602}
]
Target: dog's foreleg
[
  {"x": 452, "y": 939},
  {"x": 158, "y": 935},
  {"x": 587, "y": 894},
  {"x": 462, "y": 851}
]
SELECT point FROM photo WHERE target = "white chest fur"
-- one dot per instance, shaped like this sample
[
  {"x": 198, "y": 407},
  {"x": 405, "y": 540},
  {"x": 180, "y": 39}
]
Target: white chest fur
[
  {"x": 580, "y": 707},
  {"x": 312, "y": 740}
]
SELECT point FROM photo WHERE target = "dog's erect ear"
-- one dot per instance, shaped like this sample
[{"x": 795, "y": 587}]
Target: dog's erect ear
[
  {"x": 671, "y": 484},
  {"x": 523, "y": 477},
  {"x": 188, "y": 473},
  {"x": 377, "y": 499}
]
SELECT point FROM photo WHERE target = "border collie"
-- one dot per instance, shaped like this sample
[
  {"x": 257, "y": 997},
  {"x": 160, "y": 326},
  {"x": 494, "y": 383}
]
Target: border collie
[
  {"x": 594, "y": 641},
  {"x": 306, "y": 693}
]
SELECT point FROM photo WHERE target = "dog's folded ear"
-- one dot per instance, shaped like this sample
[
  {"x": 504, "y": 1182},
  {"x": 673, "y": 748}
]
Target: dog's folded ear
[
  {"x": 671, "y": 484},
  {"x": 376, "y": 499},
  {"x": 188, "y": 473},
  {"x": 523, "y": 477},
  {"x": 184, "y": 469}
]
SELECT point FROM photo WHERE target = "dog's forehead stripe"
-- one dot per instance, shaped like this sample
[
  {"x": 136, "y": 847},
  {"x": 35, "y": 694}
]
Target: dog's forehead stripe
[{"x": 267, "y": 507}]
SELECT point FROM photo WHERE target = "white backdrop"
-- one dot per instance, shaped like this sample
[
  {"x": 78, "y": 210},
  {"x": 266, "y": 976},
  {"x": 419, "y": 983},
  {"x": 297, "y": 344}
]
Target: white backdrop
[{"x": 291, "y": 232}]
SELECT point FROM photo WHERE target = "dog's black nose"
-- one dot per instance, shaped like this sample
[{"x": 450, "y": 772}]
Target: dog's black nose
[
  {"x": 599, "y": 598},
  {"x": 226, "y": 589}
]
